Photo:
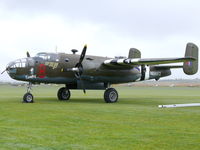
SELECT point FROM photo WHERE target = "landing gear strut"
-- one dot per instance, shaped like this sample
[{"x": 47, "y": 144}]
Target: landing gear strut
[
  {"x": 63, "y": 94},
  {"x": 28, "y": 97},
  {"x": 110, "y": 95}
]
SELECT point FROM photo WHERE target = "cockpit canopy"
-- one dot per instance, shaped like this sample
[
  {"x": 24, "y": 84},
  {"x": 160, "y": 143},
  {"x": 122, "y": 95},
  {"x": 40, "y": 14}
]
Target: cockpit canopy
[
  {"x": 21, "y": 63},
  {"x": 48, "y": 56}
]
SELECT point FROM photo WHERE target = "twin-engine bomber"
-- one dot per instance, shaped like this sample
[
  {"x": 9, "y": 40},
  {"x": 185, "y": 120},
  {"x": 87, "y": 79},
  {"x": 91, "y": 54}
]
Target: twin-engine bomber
[{"x": 95, "y": 73}]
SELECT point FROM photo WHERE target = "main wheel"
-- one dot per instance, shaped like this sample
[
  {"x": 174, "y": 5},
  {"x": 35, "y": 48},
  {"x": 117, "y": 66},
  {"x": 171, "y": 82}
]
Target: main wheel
[
  {"x": 110, "y": 95},
  {"x": 63, "y": 94},
  {"x": 28, "y": 98}
]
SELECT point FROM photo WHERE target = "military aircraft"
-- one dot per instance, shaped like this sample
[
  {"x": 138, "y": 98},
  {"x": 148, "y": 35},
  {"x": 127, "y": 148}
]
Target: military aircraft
[{"x": 95, "y": 73}]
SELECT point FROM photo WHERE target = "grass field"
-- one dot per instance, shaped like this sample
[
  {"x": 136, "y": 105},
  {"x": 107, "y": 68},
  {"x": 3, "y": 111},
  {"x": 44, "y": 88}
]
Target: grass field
[{"x": 87, "y": 123}]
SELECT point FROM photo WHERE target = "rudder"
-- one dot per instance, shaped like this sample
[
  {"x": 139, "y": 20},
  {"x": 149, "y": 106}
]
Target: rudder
[
  {"x": 191, "y": 67},
  {"x": 134, "y": 53}
]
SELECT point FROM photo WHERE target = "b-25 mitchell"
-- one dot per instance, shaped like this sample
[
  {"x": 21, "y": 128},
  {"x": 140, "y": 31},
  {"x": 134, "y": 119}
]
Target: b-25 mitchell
[{"x": 94, "y": 72}]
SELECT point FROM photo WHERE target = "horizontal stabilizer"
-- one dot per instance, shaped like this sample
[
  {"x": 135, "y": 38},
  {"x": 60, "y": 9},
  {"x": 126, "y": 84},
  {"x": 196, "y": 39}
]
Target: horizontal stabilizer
[
  {"x": 168, "y": 67},
  {"x": 152, "y": 61}
]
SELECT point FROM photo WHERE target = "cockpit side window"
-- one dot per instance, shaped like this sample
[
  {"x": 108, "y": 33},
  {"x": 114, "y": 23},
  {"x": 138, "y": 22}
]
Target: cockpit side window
[
  {"x": 54, "y": 57},
  {"x": 23, "y": 63},
  {"x": 48, "y": 56},
  {"x": 44, "y": 56}
]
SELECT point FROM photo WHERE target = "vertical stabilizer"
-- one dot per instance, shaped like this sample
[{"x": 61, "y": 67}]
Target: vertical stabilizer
[
  {"x": 134, "y": 53},
  {"x": 191, "y": 67}
]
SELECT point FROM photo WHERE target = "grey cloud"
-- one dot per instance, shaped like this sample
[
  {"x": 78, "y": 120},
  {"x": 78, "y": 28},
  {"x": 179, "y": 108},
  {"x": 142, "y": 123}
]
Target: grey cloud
[{"x": 130, "y": 18}]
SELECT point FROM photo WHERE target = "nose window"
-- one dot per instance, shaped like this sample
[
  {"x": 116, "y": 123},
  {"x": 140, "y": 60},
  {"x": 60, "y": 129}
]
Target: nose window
[
  {"x": 20, "y": 63},
  {"x": 23, "y": 63}
]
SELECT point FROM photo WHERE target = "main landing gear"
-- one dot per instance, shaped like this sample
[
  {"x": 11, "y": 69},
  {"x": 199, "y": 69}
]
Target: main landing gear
[
  {"x": 28, "y": 97},
  {"x": 110, "y": 95},
  {"x": 63, "y": 94}
]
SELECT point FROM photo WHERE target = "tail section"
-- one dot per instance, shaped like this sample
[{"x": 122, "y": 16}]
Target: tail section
[
  {"x": 191, "y": 67},
  {"x": 134, "y": 53}
]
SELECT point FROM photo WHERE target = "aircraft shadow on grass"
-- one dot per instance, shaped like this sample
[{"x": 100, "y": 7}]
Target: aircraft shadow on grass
[
  {"x": 123, "y": 101},
  {"x": 73, "y": 100}
]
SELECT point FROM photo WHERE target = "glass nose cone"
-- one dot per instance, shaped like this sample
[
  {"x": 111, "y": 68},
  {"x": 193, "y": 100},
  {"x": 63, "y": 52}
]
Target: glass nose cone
[{"x": 14, "y": 65}]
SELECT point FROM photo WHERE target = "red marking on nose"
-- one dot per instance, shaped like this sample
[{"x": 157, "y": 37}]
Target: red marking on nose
[{"x": 41, "y": 71}]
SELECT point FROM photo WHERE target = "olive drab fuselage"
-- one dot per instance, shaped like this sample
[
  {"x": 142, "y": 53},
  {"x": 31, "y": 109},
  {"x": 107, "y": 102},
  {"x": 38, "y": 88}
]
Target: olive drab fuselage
[{"x": 52, "y": 68}]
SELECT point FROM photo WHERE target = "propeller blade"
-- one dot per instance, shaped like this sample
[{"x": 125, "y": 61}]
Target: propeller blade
[
  {"x": 82, "y": 84},
  {"x": 82, "y": 56},
  {"x": 84, "y": 91},
  {"x": 28, "y": 55},
  {"x": 3, "y": 72},
  {"x": 78, "y": 76}
]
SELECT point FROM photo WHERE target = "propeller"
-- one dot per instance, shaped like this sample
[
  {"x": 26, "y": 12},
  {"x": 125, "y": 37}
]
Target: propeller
[
  {"x": 5, "y": 70},
  {"x": 78, "y": 69}
]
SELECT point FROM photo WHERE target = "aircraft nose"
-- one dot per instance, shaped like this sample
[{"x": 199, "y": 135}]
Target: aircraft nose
[{"x": 11, "y": 68}]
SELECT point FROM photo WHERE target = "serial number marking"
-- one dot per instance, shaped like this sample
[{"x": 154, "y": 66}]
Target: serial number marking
[{"x": 155, "y": 73}]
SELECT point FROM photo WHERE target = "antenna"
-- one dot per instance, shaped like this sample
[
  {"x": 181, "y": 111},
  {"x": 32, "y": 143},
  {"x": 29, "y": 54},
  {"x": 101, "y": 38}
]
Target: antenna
[
  {"x": 56, "y": 49},
  {"x": 74, "y": 51}
]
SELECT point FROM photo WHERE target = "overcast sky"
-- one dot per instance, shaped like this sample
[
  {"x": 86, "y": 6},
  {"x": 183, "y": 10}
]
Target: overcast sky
[{"x": 108, "y": 27}]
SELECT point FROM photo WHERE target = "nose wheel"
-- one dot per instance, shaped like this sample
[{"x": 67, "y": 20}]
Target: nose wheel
[
  {"x": 63, "y": 94},
  {"x": 110, "y": 95},
  {"x": 28, "y": 97}
]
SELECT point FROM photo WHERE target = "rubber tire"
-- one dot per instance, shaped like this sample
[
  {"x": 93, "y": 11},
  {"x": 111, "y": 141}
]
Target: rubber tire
[
  {"x": 63, "y": 94},
  {"x": 28, "y": 98},
  {"x": 110, "y": 95}
]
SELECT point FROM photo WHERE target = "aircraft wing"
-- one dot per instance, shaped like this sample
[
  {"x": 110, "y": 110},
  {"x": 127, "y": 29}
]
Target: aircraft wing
[{"x": 152, "y": 61}]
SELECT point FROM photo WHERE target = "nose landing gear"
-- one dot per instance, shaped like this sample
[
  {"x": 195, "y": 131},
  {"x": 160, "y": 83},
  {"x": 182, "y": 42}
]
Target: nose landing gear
[{"x": 28, "y": 97}]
